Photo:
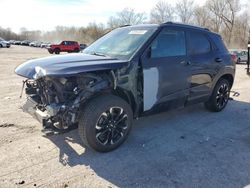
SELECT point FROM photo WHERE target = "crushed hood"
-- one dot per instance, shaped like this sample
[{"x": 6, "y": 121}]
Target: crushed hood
[{"x": 66, "y": 65}]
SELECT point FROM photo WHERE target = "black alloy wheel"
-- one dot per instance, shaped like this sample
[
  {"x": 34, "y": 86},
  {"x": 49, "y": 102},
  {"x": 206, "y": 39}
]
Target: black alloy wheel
[
  {"x": 105, "y": 122},
  {"x": 111, "y": 126},
  {"x": 222, "y": 96}
]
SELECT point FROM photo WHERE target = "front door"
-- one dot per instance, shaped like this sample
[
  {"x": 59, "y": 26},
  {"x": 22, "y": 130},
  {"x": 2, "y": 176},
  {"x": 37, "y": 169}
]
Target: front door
[{"x": 166, "y": 71}]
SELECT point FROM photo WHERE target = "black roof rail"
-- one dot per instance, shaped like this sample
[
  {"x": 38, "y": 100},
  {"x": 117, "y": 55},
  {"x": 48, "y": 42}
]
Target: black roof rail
[
  {"x": 186, "y": 25},
  {"x": 124, "y": 25},
  {"x": 169, "y": 22}
]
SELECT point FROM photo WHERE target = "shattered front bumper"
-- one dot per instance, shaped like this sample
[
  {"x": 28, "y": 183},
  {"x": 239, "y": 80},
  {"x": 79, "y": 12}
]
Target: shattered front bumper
[{"x": 30, "y": 107}]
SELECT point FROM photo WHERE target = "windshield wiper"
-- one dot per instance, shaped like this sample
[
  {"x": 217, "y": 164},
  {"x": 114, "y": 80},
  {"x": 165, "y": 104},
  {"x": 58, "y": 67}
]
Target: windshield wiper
[{"x": 99, "y": 54}]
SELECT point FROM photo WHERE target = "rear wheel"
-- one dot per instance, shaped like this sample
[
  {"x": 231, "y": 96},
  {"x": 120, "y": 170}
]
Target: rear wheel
[
  {"x": 105, "y": 123},
  {"x": 219, "y": 98},
  {"x": 76, "y": 50}
]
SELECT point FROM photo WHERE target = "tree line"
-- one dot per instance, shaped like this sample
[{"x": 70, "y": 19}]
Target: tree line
[{"x": 226, "y": 17}]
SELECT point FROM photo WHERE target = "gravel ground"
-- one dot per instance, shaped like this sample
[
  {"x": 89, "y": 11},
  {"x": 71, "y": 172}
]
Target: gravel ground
[{"x": 190, "y": 147}]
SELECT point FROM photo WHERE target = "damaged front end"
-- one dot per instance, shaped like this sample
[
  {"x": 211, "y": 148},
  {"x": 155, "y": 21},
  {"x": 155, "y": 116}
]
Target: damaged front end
[
  {"x": 55, "y": 102},
  {"x": 57, "y": 86}
]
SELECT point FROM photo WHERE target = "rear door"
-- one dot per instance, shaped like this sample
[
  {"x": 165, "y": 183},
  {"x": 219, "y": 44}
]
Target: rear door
[
  {"x": 204, "y": 64},
  {"x": 166, "y": 71}
]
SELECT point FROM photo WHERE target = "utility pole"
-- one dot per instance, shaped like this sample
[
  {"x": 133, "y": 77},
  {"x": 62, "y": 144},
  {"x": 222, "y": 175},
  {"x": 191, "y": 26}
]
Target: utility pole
[{"x": 248, "y": 57}]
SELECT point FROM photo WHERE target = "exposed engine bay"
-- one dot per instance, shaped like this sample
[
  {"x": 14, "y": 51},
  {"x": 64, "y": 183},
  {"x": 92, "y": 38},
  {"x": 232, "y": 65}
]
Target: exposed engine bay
[{"x": 55, "y": 102}]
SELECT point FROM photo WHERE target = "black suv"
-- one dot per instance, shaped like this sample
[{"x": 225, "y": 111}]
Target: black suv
[{"x": 130, "y": 72}]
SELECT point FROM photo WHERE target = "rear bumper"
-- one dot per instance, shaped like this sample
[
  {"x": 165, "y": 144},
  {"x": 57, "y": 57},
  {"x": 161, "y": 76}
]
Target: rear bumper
[{"x": 30, "y": 107}]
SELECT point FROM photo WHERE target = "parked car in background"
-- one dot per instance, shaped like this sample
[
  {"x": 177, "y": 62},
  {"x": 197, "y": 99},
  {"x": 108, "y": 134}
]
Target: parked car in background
[
  {"x": 17, "y": 42},
  {"x": 240, "y": 53},
  {"x": 32, "y": 44},
  {"x": 130, "y": 72},
  {"x": 4, "y": 43},
  {"x": 234, "y": 57},
  {"x": 45, "y": 45},
  {"x": 83, "y": 46},
  {"x": 11, "y": 41},
  {"x": 37, "y": 44},
  {"x": 25, "y": 43},
  {"x": 64, "y": 46}
]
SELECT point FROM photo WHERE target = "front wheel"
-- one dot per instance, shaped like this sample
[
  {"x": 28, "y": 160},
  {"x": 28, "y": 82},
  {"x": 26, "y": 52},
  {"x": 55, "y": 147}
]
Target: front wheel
[
  {"x": 219, "y": 98},
  {"x": 57, "y": 51},
  {"x": 105, "y": 123}
]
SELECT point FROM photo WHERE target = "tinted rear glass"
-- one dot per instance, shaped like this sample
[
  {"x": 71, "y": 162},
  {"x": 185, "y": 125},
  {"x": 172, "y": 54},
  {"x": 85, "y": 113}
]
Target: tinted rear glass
[
  {"x": 219, "y": 43},
  {"x": 198, "y": 43}
]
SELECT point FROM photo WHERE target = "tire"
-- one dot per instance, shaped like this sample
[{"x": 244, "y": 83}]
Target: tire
[
  {"x": 101, "y": 131},
  {"x": 57, "y": 51},
  {"x": 1, "y": 45},
  {"x": 238, "y": 61},
  {"x": 219, "y": 98}
]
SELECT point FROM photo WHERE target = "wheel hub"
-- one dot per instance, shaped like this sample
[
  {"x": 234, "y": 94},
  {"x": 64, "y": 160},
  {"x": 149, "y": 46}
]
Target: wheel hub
[{"x": 111, "y": 126}]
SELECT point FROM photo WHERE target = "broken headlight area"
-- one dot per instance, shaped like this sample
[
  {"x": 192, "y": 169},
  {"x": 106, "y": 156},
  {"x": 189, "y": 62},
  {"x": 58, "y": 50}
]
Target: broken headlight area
[{"x": 55, "y": 102}]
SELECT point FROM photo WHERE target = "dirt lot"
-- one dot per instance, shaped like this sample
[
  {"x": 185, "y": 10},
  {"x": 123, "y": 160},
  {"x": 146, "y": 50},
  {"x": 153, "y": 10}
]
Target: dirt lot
[{"x": 184, "y": 148}]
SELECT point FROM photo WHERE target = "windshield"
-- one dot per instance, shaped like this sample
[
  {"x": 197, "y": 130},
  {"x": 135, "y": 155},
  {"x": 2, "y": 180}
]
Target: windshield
[
  {"x": 1, "y": 39},
  {"x": 120, "y": 43}
]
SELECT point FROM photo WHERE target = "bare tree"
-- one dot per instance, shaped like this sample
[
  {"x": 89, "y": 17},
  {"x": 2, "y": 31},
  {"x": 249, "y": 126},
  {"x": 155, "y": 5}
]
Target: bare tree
[
  {"x": 162, "y": 12},
  {"x": 241, "y": 30},
  {"x": 185, "y": 10},
  {"x": 224, "y": 11},
  {"x": 127, "y": 16},
  {"x": 232, "y": 7},
  {"x": 216, "y": 8},
  {"x": 202, "y": 17}
]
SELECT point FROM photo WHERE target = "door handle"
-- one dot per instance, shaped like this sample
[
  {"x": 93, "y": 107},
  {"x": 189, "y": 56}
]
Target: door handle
[{"x": 218, "y": 60}]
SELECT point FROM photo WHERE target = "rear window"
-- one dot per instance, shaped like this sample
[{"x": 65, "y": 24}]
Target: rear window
[
  {"x": 219, "y": 43},
  {"x": 198, "y": 43}
]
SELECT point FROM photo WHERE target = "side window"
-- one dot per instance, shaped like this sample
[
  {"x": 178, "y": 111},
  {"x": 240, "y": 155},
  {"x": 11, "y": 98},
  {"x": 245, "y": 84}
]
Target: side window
[
  {"x": 169, "y": 43},
  {"x": 198, "y": 43}
]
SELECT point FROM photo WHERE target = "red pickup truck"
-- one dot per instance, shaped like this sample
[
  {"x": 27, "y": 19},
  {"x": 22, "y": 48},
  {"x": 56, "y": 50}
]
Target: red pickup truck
[{"x": 64, "y": 46}]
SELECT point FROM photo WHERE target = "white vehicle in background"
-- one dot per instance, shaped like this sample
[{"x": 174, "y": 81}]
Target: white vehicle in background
[
  {"x": 241, "y": 55},
  {"x": 4, "y": 43},
  {"x": 45, "y": 45},
  {"x": 35, "y": 44}
]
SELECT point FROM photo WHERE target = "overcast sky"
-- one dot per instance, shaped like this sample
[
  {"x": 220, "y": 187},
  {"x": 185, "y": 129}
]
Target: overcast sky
[{"x": 46, "y": 14}]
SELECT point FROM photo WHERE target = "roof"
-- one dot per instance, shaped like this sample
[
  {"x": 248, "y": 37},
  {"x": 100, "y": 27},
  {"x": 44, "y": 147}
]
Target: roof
[
  {"x": 185, "y": 25},
  {"x": 181, "y": 25}
]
